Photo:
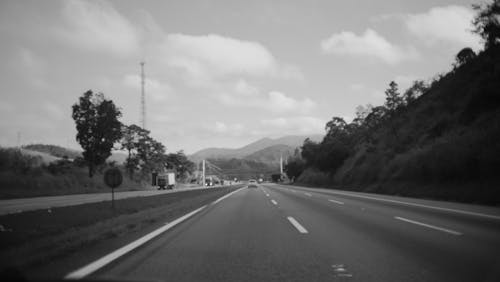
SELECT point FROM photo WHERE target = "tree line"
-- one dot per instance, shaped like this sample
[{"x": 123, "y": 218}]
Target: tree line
[
  {"x": 99, "y": 131},
  {"x": 342, "y": 138}
]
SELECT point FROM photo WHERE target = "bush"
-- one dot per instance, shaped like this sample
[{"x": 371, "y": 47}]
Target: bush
[
  {"x": 12, "y": 159},
  {"x": 60, "y": 166}
]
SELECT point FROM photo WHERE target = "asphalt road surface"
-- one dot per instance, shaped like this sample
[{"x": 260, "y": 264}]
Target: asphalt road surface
[
  {"x": 37, "y": 203},
  {"x": 284, "y": 233}
]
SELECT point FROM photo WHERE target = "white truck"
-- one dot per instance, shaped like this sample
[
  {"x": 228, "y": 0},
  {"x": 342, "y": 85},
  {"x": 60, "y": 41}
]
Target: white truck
[{"x": 165, "y": 180}]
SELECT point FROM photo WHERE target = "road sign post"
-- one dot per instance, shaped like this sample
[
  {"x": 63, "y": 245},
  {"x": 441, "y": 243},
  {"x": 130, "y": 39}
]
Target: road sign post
[{"x": 113, "y": 178}]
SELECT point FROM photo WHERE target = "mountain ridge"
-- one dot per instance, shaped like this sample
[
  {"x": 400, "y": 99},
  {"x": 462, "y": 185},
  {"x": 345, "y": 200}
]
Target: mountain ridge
[{"x": 292, "y": 141}]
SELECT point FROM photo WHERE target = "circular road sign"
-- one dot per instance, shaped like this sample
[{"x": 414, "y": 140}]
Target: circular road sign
[{"x": 113, "y": 177}]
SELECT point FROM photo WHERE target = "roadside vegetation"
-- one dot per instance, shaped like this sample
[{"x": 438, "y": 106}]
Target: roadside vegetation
[
  {"x": 24, "y": 175},
  {"x": 99, "y": 131},
  {"x": 54, "y": 150},
  {"x": 29, "y": 239},
  {"x": 245, "y": 169},
  {"x": 436, "y": 139}
]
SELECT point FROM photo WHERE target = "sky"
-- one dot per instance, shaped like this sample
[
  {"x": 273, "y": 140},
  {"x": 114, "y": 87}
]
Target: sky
[{"x": 218, "y": 73}]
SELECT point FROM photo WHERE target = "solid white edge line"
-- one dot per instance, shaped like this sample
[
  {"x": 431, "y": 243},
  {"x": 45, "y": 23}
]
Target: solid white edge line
[
  {"x": 418, "y": 205},
  {"x": 96, "y": 265},
  {"x": 274, "y": 202},
  {"x": 429, "y": 226},
  {"x": 336, "y": 202},
  {"x": 297, "y": 225},
  {"x": 227, "y": 195}
]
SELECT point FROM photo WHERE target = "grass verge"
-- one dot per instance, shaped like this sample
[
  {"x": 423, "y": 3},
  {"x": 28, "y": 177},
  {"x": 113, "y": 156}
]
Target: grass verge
[{"x": 31, "y": 239}]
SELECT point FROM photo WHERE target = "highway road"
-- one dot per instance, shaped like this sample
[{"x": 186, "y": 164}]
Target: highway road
[
  {"x": 37, "y": 203},
  {"x": 288, "y": 233}
]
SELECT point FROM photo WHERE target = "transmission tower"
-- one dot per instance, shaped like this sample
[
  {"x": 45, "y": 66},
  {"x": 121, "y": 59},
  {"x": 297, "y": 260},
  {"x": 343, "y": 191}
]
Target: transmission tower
[{"x": 143, "y": 97}]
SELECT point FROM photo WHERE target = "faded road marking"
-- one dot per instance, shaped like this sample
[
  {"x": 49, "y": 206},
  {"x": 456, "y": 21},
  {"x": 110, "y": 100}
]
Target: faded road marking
[
  {"x": 336, "y": 202},
  {"x": 429, "y": 226}
]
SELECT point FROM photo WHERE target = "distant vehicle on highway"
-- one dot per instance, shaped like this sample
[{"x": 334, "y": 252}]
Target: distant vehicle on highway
[
  {"x": 252, "y": 183},
  {"x": 165, "y": 180}
]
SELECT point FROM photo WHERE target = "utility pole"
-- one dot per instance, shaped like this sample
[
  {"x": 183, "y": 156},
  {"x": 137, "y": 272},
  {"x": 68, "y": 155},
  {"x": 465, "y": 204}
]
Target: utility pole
[
  {"x": 281, "y": 164},
  {"x": 203, "y": 174},
  {"x": 143, "y": 97}
]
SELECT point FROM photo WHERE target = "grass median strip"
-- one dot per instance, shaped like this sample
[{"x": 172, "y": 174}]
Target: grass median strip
[{"x": 34, "y": 237}]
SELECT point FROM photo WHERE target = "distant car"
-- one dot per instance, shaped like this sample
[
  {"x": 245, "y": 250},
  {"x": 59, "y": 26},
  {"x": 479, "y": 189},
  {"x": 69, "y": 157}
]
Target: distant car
[{"x": 252, "y": 183}]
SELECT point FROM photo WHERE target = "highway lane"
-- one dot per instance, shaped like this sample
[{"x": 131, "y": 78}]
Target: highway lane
[
  {"x": 282, "y": 233},
  {"x": 37, "y": 203},
  {"x": 442, "y": 247}
]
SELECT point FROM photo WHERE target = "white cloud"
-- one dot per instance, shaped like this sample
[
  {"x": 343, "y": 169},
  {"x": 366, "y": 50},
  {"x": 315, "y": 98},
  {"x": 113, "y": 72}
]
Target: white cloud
[
  {"x": 97, "y": 26},
  {"x": 274, "y": 101},
  {"x": 293, "y": 125},
  {"x": 159, "y": 91},
  {"x": 244, "y": 88},
  {"x": 452, "y": 24},
  {"x": 369, "y": 44},
  {"x": 219, "y": 127},
  {"x": 279, "y": 102},
  {"x": 213, "y": 56}
]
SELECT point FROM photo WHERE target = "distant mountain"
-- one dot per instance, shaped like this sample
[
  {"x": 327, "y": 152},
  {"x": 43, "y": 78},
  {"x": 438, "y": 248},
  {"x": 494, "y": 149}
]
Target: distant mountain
[
  {"x": 292, "y": 141},
  {"x": 271, "y": 154}
]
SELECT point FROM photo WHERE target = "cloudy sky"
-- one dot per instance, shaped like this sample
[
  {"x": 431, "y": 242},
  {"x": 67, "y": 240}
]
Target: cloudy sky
[{"x": 219, "y": 73}]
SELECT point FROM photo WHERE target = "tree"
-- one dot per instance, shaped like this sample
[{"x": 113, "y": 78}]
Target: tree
[
  {"x": 310, "y": 151},
  {"x": 335, "y": 127},
  {"x": 373, "y": 121},
  {"x": 464, "y": 56},
  {"x": 361, "y": 113},
  {"x": 294, "y": 167},
  {"x": 98, "y": 127},
  {"x": 151, "y": 153},
  {"x": 393, "y": 99},
  {"x": 418, "y": 88},
  {"x": 182, "y": 165},
  {"x": 487, "y": 23},
  {"x": 129, "y": 142}
]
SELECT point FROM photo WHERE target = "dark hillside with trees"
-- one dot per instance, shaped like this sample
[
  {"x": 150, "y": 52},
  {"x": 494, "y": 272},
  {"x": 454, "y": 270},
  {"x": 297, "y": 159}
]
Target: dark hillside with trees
[{"x": 439, "y": 140}]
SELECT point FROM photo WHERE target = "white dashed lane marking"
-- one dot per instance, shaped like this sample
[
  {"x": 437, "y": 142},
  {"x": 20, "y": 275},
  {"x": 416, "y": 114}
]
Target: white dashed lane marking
[
  {"x": 307, "y": 194},
  {"x": 274, "y": 202},
  {"x": 297, "y": 225}
]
